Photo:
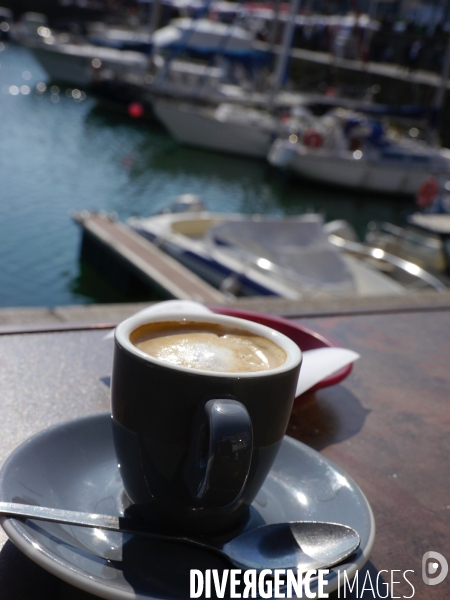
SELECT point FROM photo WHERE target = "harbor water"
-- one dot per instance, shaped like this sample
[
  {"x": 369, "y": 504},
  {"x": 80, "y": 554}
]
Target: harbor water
[{"x": 62, "y": 151}]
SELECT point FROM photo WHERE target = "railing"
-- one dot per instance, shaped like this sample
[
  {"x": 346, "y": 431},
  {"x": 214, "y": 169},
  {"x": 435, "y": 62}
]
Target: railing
[{"x": 421, "y": 277}]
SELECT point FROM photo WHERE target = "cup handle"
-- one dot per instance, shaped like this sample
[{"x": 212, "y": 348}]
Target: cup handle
[{"x": 218, "y": 461}]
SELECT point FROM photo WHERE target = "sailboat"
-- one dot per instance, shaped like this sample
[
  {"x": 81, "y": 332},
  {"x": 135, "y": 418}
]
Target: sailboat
[
  {"x": 348, "y": 149},
  {"x": 230, "y": 128}
]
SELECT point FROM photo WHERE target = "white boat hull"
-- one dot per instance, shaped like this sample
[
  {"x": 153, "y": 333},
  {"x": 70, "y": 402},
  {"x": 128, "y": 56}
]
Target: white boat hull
[
  {"x": 200, "y": 128},
  {"x": 344, "y": 170},
  {"x": 72, "y": 64}
]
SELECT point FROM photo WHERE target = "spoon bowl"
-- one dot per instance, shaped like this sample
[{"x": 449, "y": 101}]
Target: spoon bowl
[{"x": 301, "y": 545}]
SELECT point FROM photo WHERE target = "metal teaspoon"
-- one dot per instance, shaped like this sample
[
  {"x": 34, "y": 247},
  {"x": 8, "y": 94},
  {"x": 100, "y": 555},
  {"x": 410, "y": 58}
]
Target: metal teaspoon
[{"x": 301, "y": 545}]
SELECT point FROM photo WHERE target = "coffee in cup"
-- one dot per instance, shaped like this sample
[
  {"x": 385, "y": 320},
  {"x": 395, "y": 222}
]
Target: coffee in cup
[{"x": 208, "y": 346}]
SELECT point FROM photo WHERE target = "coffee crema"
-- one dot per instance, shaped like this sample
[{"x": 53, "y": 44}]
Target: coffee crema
[{"x": 208, "y": 346}]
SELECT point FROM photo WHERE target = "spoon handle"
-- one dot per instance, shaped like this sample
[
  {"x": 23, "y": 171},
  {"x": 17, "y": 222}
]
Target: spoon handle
[
  {"x": 56, "y": 515},
  {"x": 85, "y": 519}
]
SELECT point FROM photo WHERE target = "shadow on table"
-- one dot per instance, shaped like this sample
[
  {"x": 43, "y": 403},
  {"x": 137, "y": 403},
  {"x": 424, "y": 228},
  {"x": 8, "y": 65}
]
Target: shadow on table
[
  {"x": 327, "y": 417},
  {"x": 22, "y": 579}
]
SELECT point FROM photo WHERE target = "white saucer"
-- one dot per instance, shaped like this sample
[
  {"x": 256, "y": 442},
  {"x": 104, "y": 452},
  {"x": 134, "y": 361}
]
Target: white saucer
[{"x": 73, "y": 466}]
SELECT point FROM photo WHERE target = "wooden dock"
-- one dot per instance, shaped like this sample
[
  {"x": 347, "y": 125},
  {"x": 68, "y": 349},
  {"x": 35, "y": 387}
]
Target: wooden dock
[{"x": 125, "y": 256}]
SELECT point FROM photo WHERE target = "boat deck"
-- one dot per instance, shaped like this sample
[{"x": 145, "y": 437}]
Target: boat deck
[{"x": 115, "y": 248}]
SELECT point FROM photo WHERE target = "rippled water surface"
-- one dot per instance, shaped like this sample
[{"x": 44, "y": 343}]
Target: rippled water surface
[{"x": 58, "y": 154}]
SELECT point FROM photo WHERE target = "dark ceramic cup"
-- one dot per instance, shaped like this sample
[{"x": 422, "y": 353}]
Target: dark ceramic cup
[{"x": 194, "y": 446}]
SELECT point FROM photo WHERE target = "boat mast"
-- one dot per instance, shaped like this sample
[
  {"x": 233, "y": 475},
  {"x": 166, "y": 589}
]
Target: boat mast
[
  {"x": 275, "y": 25},
  {"x": 439, "y": 96},
  {"x": 283, "y": 55},
  {"x": 155, "y": 16},
  {"x": 373, "y": 10}
]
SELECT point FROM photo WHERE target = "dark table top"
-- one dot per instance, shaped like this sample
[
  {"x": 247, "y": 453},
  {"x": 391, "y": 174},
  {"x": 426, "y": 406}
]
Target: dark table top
[{"x": 387, "y": 425}]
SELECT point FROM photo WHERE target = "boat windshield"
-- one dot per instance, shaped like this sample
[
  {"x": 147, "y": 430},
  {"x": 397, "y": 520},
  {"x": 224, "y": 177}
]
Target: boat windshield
[{"x": 294, "y": 249}]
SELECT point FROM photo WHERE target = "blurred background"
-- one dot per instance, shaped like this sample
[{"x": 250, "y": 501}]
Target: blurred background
[{"x": 91, "y": 91}]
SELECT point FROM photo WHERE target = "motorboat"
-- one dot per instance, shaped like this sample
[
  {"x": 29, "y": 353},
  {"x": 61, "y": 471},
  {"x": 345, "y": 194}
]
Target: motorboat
[
  {"x": 352, "y": 150},
  {"x": 263, "y": 256},
  {"x": 79, "y": 64},
  {"x": 206, "y": 37},
  {"x": 72, "y": 60}
]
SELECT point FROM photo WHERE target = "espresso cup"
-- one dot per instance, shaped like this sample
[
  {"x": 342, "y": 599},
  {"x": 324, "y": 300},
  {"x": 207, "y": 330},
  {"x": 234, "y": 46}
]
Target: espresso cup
[{"x": 195, "y": 440}]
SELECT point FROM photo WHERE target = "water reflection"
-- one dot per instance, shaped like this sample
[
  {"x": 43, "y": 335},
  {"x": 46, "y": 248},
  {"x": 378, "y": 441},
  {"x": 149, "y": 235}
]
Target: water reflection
[
  {"x": 90, "y": 285},
  {"x": 62, "y": 151}
]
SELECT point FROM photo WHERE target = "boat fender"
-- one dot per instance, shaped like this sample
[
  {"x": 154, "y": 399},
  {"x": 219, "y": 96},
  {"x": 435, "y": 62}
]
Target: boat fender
[
  {"x": 427, "y": 193},
  {"x": 135, "y": 110},
  {"x": 312, "y": 139}
]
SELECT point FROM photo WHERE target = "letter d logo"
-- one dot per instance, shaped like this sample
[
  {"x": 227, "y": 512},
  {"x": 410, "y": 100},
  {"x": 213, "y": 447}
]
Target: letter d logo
[{"x": 430, "y": 568}]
